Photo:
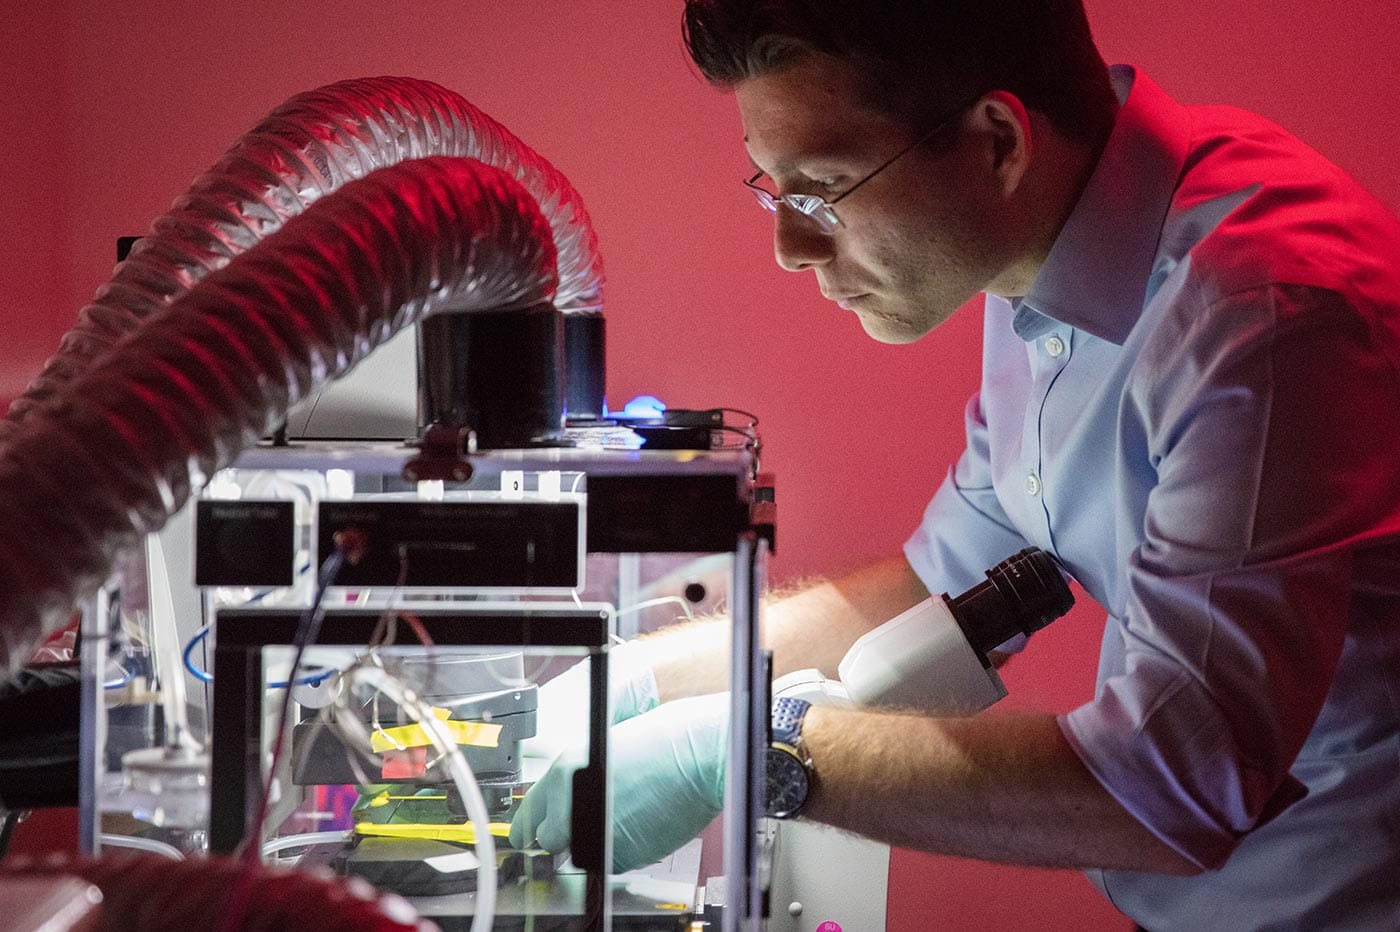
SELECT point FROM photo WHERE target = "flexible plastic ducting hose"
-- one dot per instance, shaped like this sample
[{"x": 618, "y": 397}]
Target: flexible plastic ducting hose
[
  {"x": 126, "y": 441},
  {"x": 142, "y": 893},
  {"x": 304, "y": 149}
]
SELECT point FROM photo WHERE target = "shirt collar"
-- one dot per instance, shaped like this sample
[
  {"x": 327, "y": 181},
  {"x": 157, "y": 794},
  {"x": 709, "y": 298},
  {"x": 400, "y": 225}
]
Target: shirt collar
[{"x": 1095, "y": 278}]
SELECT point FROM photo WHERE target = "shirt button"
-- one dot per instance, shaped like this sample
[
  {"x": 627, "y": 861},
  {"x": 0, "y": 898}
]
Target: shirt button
[
  {"x": 1032, "y": 484},
  {"x": 1054, "y": 346}
]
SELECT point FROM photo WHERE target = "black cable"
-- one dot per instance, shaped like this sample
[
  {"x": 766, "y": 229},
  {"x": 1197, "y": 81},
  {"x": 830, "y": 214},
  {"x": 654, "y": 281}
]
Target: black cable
[
  {"x": 753, "y": 418},
  {"x": 742, "y": 432},
  {"x": 307, "y": 630},
  {"x": 240, "y": 896},
  {"x": 753, "y": 444}
]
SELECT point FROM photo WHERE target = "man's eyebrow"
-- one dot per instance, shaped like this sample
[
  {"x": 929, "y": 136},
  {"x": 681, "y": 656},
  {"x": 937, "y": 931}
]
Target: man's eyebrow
[
  {"x": 789, "y": 165},
  {"x": 785, "y": 166}
]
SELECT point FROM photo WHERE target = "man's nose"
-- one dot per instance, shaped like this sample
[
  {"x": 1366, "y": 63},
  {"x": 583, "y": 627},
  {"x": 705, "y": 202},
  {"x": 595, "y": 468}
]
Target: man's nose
[{"x": 797, "y": 243}]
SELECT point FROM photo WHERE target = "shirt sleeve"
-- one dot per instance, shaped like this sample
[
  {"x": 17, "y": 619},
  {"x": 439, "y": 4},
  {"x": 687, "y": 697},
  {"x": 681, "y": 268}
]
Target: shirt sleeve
[
  {"x": 964, "y": 531},
  {"x": 1276, "y": 491}
]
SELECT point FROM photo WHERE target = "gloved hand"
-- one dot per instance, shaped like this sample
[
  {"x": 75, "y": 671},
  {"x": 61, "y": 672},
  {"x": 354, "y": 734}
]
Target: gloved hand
[
  {"x": 562, "y": 719},
  {"x": 667, "y": 780}
]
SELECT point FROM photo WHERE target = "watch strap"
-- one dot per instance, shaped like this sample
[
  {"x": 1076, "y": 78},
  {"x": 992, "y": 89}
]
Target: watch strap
[{"x": 787, "y": 715}]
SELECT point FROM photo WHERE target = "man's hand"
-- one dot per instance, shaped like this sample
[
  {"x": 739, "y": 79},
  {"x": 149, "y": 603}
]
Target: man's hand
[{"x": 668, "y": 769}]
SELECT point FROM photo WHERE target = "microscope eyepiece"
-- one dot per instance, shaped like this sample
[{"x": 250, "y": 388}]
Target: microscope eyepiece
[{"x": 1022, "y": 594}]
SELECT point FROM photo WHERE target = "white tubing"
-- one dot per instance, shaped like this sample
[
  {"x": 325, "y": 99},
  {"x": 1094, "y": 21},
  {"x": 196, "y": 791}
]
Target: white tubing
[
  {"x": 462, "y": 776},
  {"x": 148, "y": 845},
  {"x": 302, "y": 840}
]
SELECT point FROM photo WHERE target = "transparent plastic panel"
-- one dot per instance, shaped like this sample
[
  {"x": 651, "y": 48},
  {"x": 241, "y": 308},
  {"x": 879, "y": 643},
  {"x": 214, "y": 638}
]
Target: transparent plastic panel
[{"x": 145, "y": 779}]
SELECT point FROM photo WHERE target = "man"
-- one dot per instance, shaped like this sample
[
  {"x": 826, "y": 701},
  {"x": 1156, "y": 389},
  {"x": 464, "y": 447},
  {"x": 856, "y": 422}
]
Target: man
[{"x": 1191, "y": 378}]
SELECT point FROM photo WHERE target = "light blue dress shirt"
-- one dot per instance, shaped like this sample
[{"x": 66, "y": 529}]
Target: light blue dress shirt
[{"x": 1196, "y": 409}]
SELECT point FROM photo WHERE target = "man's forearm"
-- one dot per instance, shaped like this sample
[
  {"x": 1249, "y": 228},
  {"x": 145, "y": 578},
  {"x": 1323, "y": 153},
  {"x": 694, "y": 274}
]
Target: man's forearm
[
  {"x": 811, "y": 628},
  {"x": 998, "y": 788},
  {"x": 1002, "y": 788}
]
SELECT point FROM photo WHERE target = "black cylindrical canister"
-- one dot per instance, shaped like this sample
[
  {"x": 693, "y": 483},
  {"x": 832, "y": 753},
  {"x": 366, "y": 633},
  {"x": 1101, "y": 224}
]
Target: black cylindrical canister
[
  {"x": 500, "y": 373},
  {"x": 585, "y": 365}
]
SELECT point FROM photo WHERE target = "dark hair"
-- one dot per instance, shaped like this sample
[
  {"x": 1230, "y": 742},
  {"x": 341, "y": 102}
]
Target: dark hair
[{"x": 919, "y": 57}]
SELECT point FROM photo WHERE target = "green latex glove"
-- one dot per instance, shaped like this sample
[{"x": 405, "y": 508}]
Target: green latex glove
[
  {"x": 562, "y": 720},
  {"x": 668, "y": 770}
]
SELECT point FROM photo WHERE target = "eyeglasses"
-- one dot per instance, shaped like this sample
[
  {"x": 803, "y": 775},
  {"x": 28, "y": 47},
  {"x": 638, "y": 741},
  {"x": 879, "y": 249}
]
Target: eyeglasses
[{"x": 819, "y": 210}]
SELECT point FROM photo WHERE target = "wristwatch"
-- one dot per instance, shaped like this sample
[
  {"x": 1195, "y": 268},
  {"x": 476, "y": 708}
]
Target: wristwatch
[{"x": 790, "y": 775}]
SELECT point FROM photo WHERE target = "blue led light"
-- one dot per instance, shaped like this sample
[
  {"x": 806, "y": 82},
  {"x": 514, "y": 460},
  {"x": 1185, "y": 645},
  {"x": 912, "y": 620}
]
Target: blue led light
[{"x": 643, "y": 406}]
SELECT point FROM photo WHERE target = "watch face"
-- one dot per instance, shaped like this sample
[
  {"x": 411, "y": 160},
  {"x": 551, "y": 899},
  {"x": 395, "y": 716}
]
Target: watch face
[{"x": 787, "y": 783}]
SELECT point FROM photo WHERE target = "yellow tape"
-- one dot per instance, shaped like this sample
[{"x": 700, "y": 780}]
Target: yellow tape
[
  {"x": 475, "y": 734},
  {"x": 463, "y": 834}
]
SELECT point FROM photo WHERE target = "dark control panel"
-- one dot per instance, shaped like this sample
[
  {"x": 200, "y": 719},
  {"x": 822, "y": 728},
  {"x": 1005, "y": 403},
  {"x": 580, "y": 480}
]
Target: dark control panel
[
  {"x": 490, "y": 544},
  {"x": 244, "y": 543}
]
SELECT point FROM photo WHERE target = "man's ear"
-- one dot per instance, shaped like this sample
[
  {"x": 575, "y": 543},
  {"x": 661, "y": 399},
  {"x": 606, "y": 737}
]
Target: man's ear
[{"x": 1006, "y": 124}]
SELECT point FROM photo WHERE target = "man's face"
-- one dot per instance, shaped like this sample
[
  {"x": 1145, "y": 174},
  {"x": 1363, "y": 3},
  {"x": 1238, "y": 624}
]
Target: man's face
[{"x": 915, "y": 243}]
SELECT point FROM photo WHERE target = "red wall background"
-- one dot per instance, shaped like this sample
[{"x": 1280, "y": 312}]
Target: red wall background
[{"x": 109, "y": 110}]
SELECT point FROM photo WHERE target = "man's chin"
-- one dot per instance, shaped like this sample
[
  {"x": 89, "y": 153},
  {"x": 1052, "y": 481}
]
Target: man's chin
[{"x": 888, "y": 329}]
